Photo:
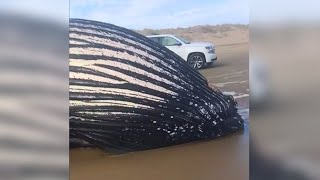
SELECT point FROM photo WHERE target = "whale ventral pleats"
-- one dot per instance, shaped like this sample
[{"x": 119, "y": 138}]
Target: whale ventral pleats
[{"x": 129, "y": 93}]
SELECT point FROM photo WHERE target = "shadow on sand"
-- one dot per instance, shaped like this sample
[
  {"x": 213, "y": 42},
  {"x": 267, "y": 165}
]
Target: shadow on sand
[{"x": 215, "y": 65}]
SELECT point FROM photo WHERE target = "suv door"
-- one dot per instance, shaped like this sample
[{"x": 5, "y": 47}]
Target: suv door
[{"x": 172, "y": 44}]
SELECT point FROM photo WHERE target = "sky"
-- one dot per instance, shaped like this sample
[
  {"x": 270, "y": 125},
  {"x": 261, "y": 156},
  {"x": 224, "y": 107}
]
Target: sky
[
  {"x": 140, "y": 14},
  {"x": 157, "y": 14}
]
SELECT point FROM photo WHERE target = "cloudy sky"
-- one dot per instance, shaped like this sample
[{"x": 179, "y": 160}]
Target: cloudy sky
[{"x": 139, "y": 14}]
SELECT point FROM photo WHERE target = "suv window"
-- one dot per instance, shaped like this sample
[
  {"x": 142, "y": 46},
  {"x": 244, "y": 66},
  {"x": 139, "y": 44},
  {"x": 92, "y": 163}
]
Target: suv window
[
  {"x": 168, "y": 41},
  {"x": 155, "y": 39}
]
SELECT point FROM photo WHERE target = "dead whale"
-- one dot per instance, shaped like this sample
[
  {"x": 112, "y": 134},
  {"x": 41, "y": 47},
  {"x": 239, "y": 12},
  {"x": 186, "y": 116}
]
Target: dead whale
[{"x": 129, "y": 93}]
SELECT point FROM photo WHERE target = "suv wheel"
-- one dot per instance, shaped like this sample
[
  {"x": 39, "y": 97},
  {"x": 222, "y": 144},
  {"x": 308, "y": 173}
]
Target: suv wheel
[{"x": 196, "y": 60}]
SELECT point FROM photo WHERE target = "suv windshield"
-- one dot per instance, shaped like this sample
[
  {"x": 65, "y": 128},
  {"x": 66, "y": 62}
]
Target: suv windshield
[{"x": 183, "y": 40}]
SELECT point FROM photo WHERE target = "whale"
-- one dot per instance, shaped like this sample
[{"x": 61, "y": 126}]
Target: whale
[{"x": 129, "y": 93}]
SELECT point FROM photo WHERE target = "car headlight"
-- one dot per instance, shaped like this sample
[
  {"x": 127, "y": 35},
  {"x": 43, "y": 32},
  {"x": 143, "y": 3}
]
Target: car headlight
[{"x": 210, "y": 49}]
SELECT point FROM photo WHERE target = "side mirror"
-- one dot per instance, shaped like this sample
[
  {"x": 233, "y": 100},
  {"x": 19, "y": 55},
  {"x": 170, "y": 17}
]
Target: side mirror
[{"x": 178, "y": 43}]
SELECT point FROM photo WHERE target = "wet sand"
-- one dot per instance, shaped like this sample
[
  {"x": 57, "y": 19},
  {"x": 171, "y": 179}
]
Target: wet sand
[
  {"x": 222, "y": 158},
  {"x": 230, "y": 73}
]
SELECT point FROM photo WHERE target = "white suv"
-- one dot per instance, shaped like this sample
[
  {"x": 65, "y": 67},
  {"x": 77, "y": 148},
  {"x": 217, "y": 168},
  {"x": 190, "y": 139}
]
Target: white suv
[{"x": 195, "y": 53}]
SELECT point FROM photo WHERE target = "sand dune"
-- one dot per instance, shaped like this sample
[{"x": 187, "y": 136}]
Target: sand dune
[{"x": 219, "y": 34}]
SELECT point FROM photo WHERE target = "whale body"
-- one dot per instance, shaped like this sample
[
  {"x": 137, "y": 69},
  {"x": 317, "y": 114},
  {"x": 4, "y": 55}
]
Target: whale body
[{"x": 129, "y": 93}]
